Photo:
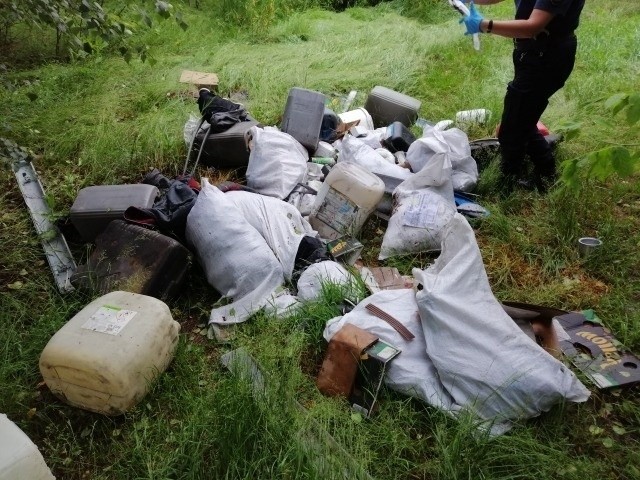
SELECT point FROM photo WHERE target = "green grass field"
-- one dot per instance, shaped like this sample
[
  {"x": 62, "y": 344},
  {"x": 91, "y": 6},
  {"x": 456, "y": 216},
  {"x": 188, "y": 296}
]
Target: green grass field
[{"x": 101, "y": 120}]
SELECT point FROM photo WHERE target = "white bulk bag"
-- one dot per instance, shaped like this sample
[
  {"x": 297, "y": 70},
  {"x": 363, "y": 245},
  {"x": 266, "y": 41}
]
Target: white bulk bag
[
  {"x": 356, "y": 151},
  {"x": 316, "y": 275},
  {"x": 236, "y": 259},
  {"x": 423, "y": 206},
  {"x": 483, "y": 359},
  {"x": 277, "y": 162},
  {"x": 279, "y": 223},
  {"x": 412, "y": 372},
  {"x": 453, "y": 142}
]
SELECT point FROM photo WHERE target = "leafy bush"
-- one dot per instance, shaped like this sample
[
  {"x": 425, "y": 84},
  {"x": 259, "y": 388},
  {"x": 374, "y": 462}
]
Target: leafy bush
[
  {"x": 85, "y": 26},
  {"x": 611, "y": 160}
]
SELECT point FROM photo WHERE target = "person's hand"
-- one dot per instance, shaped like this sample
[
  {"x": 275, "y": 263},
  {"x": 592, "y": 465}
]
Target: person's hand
[{"x": 472, "y": 21}]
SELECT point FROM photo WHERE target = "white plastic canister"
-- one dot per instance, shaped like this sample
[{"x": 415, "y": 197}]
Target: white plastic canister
[
  {"x": 19, "y": 457},
  {"x": 359, "y": 114},
  {"x": 348, "y": 196},
  {"x": 105, "y": 358}
]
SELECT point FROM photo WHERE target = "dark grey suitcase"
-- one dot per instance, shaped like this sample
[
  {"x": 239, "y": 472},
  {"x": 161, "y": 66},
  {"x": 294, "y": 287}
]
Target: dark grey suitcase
[
  {"x": 95, "y": 207},
  {"x": 387, "y": 106},
  {"x": 303, "y": 116},
  {"x": 134, "y": 259}
]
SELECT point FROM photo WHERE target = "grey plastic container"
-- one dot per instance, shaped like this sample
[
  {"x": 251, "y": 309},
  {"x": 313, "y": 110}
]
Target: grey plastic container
[
  {"x": 387, "y": 106},
  {"x": 134, "y": 259},
  {"x": 95, "y": 207},
  {"x": 303, "y": 115}
]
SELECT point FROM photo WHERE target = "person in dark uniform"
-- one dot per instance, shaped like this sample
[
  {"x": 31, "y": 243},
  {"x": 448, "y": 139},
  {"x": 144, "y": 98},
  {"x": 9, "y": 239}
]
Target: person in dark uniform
[{"x": 545, "y": 44}]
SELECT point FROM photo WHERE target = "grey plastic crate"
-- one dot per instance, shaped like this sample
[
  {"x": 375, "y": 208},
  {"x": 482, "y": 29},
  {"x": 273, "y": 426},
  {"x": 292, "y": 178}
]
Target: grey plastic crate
[
  {"x": 303, "y": 115},
  {"x": 135, "y": 259},
  {"x": 95, "y": 207},
  {"x": 387, "y": 106}
]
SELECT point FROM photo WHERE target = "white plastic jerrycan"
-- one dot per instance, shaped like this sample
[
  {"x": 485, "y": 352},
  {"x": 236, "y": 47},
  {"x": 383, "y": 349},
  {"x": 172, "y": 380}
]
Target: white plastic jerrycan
[
  {"x": 348, "y": 196},
  {"x": 105, "y": 358},
  {"x": 19, "y": 457}
]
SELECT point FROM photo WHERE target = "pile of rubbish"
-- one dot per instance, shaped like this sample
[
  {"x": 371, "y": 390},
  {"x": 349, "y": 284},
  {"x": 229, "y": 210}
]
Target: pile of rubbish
[{"x": 272, "y": 243}]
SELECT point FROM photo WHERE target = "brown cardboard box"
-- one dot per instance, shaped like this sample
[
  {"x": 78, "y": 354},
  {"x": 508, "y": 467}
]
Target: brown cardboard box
[
  {"x": 340, "y": 367},
  {"x": 200, "y": 79}
]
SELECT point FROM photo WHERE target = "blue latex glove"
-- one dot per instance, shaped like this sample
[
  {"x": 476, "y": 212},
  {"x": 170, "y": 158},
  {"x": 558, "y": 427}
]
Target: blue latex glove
[{"x": 472, "y": 21}]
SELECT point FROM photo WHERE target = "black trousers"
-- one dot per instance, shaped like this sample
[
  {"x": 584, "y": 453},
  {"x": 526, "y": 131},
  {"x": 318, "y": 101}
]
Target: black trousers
[{"x": 540, "y": 71}]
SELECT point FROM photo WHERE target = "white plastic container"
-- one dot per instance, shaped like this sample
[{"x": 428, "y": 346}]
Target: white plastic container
[
  {"x": 105, "y": 358},
  {"x": 467, "y": 118},
  {"x": 19, "y": 457},
  {"x": 348, "y": 196},
  {"x": 359, "y": 114}
]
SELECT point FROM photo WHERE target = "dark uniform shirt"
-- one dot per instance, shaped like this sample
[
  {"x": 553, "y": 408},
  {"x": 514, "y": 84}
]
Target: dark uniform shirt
[{"x": 566, "y": 14}]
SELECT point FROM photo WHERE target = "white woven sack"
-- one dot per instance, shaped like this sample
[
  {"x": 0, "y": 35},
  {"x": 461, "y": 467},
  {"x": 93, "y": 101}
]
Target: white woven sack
[
  {"x": 486, "y": 363},
  {"x": 318, "y": 274},
  {"x": 412, "y": 372},
  {"x": 453, "y": 142},
  {"x": 236, "y": 259},
  {"x": 355, "y": 150},
  {"x": 423, "y": 206},
  {"x": 279, "y": 223},
  {"x": 277, "y": 162}
]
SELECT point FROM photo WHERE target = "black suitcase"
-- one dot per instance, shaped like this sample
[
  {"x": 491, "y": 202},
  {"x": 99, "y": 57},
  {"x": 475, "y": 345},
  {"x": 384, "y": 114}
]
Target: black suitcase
[
  {"x": 134, "y": 259},
  {"x": 227, "y": 149}
]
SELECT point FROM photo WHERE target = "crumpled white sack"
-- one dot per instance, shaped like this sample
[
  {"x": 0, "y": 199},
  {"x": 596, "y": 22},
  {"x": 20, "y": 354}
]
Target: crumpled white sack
[
  {"x": 485, "y": 362},
  {"x": 277, "y": 162},
  {"x": 423, "y": 206},
  {"x": 455, "y": 143},
  {"x": 356, "y": 151},
  {"x": 315, "y": 275},
  {"x": 411, "y": 372},
  {"x": 236, "y": 259},
  {"x": 279, "y": 223}
]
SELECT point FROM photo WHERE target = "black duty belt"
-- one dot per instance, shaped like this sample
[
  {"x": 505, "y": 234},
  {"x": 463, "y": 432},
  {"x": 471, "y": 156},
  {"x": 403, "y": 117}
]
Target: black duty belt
[{"x": 542, "y": 41}]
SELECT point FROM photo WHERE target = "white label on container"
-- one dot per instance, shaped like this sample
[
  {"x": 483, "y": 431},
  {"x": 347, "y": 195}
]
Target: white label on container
[
  {"x": 387, "y": 352},
  {"x": 337, "y": 211},
  {"x": 422, "y": 210},
  {"x": 109, "y": 320}
]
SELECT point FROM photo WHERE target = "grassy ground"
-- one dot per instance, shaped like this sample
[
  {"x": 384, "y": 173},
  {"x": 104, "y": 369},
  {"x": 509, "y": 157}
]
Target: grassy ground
[{"x": 103, "y": 121}]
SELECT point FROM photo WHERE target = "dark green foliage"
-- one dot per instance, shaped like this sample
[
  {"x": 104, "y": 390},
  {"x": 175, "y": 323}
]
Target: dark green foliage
[{"x": 84, "y": 26}]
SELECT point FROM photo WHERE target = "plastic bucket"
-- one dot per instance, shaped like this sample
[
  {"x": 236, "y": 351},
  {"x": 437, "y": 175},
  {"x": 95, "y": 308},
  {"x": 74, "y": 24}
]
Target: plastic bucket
[{"x": 360, "y": 115}]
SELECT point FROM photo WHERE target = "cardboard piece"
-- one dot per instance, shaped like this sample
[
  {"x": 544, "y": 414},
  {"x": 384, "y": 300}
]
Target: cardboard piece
[
  {"x": 354, "y": 367},
  {"x": 343, "y": 128},
  {"x": 596, "y": 352},
  {"x": 537, "y": 322},
  {"x": 384, "y": 278},
  {"x": 200, "y": 79},
  {"x": 340, "y": 366}
]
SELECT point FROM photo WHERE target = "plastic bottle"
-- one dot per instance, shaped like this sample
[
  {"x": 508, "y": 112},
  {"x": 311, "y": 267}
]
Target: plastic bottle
[
  {"x": 19, "y": 457},
  {"x": 348, "y": 196},
  {"x": 105, "y": 358}
]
